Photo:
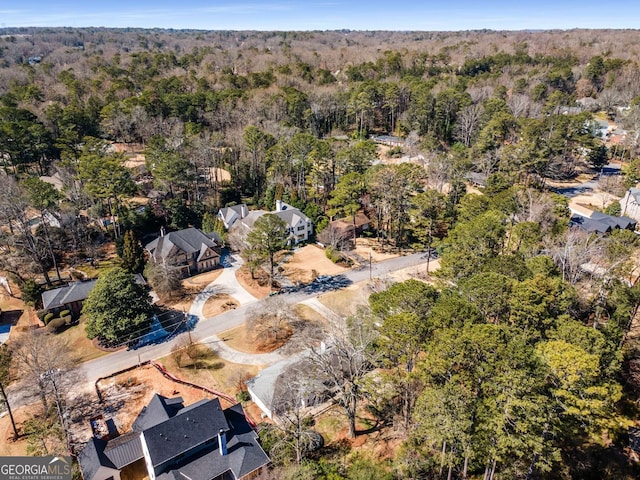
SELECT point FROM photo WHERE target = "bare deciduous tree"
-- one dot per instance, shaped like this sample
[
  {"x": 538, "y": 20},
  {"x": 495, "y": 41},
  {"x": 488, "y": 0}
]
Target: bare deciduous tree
[
  {"x": 295, "y": 391},
  {"x": 468, "y": 123},
  {"x": 271, "y": 323},
  {"x": 334, "y": 237},
  {"x": 344, "y": 364}
]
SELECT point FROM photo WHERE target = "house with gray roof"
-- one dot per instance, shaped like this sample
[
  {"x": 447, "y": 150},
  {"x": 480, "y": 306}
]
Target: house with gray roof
[
  {"x": 69, "y": 298},
  {"x": 73, "y": 295},
  {"x": 199, "y": 442},
  {"x": 601, "y": 223},
  {"x": 191, "y": 251},
  {"x": 630, "y": 203},
  {"x": 299, "y": 225},
  {"x": 229, "y": 215}
]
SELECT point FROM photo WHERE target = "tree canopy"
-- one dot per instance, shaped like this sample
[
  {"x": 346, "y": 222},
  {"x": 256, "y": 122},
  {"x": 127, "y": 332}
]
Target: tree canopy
[{"x": 118, "y": 309}]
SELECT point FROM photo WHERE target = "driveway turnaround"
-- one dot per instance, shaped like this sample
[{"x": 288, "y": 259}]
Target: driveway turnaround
[{"x": 226, "y": 283}]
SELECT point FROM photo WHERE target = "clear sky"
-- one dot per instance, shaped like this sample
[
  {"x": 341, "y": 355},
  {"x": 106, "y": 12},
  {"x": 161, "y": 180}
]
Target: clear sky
[{"x": 324, "y": 14}]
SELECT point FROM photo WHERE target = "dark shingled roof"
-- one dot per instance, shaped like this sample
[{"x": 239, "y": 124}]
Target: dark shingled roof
[
  {"x": 602, "y": 223},
  {"x": 245, "y": 455},
  {"x": 189, "y": 240},
  {"x": 74, "y": 292},
  {"x": 92, "y": 457},
  {"x": 182, "y": 442},
  {"x": 159, "y": 410},
  {"x": 191, "y": 427}
]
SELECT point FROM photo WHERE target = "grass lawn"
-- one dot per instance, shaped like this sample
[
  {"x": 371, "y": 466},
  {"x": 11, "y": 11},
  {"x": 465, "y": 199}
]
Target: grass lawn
[
  {"x": 94, "y": 271},
  {"x": 331, "y": 424},
  {"x": 79, "y": 344},
  {"x": 238, "y": 339},
  {"x": 345, "y": 302},
  {"x": 210, "y": 371}
]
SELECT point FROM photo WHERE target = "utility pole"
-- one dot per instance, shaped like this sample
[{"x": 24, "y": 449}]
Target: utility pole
[{"x": 370, "y": 272}]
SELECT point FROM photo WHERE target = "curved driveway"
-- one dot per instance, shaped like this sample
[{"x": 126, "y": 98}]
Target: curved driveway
[{"x": 206, "y": 330}]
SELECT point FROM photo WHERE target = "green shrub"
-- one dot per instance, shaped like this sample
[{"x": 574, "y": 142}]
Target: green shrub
[
  {"x": 31, "y": 292},
  {"x": 613, "y": 209},
  {"x": 55, "y": 324},
  {"x": 64, "y": 313},
  {"x": 41, "y": 314},
  {"x": 47, "y": 318},
  {"x": 243, "y": 396},
  {"x": 332, "y": 254}
]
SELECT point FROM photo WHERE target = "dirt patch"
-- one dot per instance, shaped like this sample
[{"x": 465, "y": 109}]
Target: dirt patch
[
  {"x": 258, "y": 287},
  {"x": 128, "y": 393},
  {"x": 302, "y": 264},
  {"x": 366, "y": 246},
  {"x": 218, "y": 304},
  {"x": 417, "y": 272},
  {"x": 220, "y": 174},
  {"x": 139, "y": 201},
  {"x": 594, "y": 201}
]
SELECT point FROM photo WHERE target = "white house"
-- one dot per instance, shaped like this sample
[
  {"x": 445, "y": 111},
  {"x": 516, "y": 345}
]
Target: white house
[
  {"x": 229, "y": 215},
  {"x": 300, "y": 226},
  {"x": 630, "y": 204}
]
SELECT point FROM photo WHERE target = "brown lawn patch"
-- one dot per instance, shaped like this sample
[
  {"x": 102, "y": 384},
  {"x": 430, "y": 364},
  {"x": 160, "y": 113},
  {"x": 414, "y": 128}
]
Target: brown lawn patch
[
  {"x": 308, "y": 314},
  {"x": 345, "y": 302},
  {"x": 83, "y": 349},
  {"x": 201, "y": 280},
  {"x": 308, "y": 262},
  {"x": 217, "y": 304},
  {"x": 258, "y": 287},
  {"x": 239, "y": 339}
]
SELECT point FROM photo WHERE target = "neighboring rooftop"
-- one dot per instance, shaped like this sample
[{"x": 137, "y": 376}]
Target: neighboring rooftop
[
  {"x": 74, "y": 292},
  {"x": 198, "y": 442},
  {"x": 190, "y": 240},
  {"x": 602, "y": 223}
]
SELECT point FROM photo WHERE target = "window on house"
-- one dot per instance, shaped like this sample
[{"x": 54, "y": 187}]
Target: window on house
[{"x": 301, "y": 228}]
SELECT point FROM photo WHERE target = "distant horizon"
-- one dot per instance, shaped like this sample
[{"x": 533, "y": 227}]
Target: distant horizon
[{"x": 324, "y": 15}]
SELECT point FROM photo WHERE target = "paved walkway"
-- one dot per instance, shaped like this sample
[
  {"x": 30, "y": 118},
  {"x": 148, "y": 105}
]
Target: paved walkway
[
  {"x": 229, "y": 354},
  {"x": 225, "y": 283}
]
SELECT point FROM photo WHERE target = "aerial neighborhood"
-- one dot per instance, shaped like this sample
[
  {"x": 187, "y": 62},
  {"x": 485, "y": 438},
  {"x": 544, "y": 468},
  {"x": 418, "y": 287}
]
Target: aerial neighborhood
[{"x": 333, "y": 254}]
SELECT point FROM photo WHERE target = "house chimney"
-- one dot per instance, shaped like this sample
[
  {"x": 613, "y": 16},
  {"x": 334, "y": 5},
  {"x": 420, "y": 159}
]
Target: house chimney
[
  {"x": 222, "y": 442},
  {"x": 162, "y": 231},
  {"x": 278, "y": 205}
]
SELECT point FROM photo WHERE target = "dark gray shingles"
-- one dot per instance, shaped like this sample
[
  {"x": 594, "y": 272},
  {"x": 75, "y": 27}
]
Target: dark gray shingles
[
  {"x": 184, "y": 432},
  {"x": 74, "y": 292},
  {"x": 92, "y": 457},
  {"x": 157, "y": 411}
]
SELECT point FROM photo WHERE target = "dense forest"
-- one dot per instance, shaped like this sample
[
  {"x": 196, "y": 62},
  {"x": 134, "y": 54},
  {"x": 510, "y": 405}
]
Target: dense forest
[{"x": 516, "y": 362}]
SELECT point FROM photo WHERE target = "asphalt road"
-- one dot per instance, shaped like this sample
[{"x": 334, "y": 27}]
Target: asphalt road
[
  {"x": 114, "y": 362},
  {"x": 590, "y": 185}
]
